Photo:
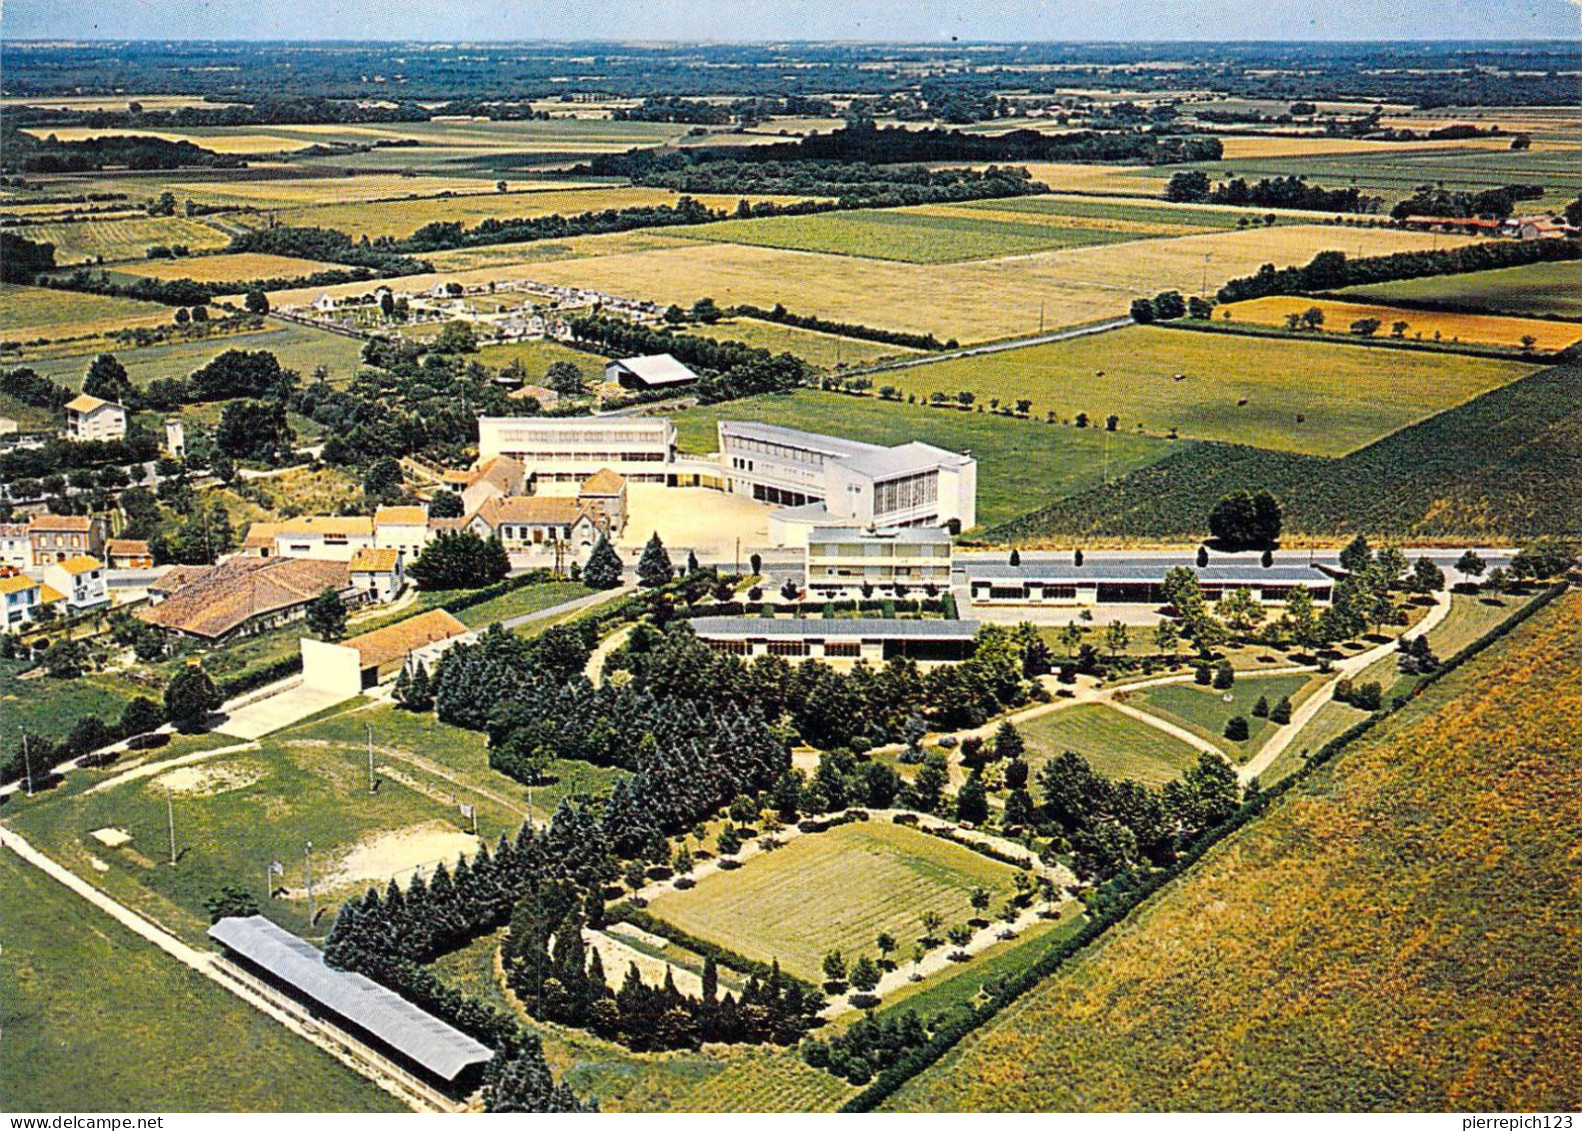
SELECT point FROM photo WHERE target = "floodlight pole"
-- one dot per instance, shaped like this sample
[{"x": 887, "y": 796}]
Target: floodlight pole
[
  {"x": 371, "y": 783},
  {"x": 27, "y": 766},
  {"x": 170, "y": 813},
  {"x": 308, "y": 871}
]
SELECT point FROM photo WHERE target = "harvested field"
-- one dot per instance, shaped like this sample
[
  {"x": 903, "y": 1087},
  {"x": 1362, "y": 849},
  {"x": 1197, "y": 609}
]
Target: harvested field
[
  {"x": 36, "y": 312},
  {"x": 1399, "y": 927},
  {"x": 1241, "y": 147},
  {"x": 242, "y": 267},
  {"x": 825, "y": 351},
  {"x": 83, "y": 241},
  {"x": 1301, "y": 396},
  {"x": 834, "y": 891},
  {"x": 507, "y": 255},
  {"x": 282, "y": 191},
  {"x": 1422, "y": 325},
  {"x": 1117, "y": 180},
  {"x": 216, "y": 139}
]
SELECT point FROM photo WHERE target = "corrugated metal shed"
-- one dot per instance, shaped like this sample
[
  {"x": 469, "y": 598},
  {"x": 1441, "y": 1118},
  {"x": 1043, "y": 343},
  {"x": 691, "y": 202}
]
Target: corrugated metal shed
[{"x": 420, "y": 1036}]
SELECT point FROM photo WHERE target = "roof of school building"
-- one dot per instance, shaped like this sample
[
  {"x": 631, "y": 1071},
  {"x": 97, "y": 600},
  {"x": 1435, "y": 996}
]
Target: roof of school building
[{"x": 816, "y": 628}]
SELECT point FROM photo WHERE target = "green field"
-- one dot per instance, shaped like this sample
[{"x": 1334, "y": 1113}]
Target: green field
[
  {"x": 1116, "y": 745},
  {"x": 1309, "y": 397},
  {"x": 1204, "y": 710},
  {"x": 1021, "y": 464},
  {"x": 1129, "y": 211},
  {"x": 297, "y": 347},
  {"x": 86, "y": 241},
  {"x": 1393, "y": 935},
  {"x": 48, "y": 707},
  {"x": 1536, "y": 289},
  {"x": 96, "y": 1019},
  {"x": 536, "y": 357},
  {"x": 1328, "y": 722},
  {"x": 899, "y": 234},
  {"x": 27, "y": 312},
  {"x": 1469, "y": 618},
  {"x": 834, "y": 891}
]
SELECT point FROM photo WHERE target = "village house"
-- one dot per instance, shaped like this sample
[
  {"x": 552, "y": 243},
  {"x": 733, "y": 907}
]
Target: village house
[
  {"x": 539, "y": 525},
  {"x": 22, "y": 598},
  {"x": 16, "y": 550},
  {"x": 403, "y": 528},
  {"x": 56, "y": 537},
  {"x": 128, "y": 553},
  {"x": 81, "y": 580},
  {"x": 241, "y": 596},
  {"x": 379, "y": 573},
  {"x": 605, "y": 492},
  {"x": 89, "y": 418},
  {"x": 493, "y": 478},
  {"x": 325, "y": 538}
]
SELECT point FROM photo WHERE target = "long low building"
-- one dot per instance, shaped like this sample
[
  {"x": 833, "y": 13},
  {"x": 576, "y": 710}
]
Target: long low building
[
  {"x": 862, "y": 638},
  {"x": 571, "y": 449},
  {"x": 852, "y": 559},
  {"x": 1134, "y": 582},
  {"x": 428, "y": 1047}
]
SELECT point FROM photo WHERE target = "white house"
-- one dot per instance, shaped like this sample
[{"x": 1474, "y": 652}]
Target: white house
[
  {"x": 89, "y": 418},
  {"x": 325, "y": 538},
  {"x": 325, "y": 303},
  {"x": 81, "y": 580},
  {"x": 403, "y": 528},
  {"x": 16, "y": 548},
  {"x": 379, "y": 573},
  {"x": 544, "y": 525},
  {"x": 21, "y": 597}
]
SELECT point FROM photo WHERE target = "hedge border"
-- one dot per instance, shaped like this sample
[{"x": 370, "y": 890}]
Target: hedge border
[
  {"x": 630, "y": 913},
  {"x": 1013, "y": 986}
]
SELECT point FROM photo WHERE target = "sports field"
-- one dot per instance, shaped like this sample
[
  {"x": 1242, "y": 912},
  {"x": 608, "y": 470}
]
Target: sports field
[
  {"x": 1114, "y": 744},
  {"x": 1204, "y": 711},
  {"x": 1538, "y": 288},
  {"x": 1022, "y": 465},
  {"x": 297, "y": 347},
  {"x": 97, "y": 1019},
  {"x": 835, "y": 891},
  {"x": 1301, "y": 396},
  {"x": 35, "y": 312},
  {"x": 85, "y": 241},
  {"x": 239, "y": 268},
  {"x": 1393, "y": 935},
  {"x": 1421, "y": 325}
]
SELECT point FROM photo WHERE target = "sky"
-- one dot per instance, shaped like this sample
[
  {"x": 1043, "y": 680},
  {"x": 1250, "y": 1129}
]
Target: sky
[{"x": 915, "y": 21}]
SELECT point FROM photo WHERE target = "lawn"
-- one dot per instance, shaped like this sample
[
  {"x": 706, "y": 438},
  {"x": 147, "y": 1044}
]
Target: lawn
[
  {"x": 834, "y": 891},
  {"x": 1301, "y": 396},
  {"x": 1470, "y": 617},
  {"x": 1536, "y": 289},
  {"x": 1204, "y": 711},
  {"x": 27, "y": 313},
  {"x": 1422, "y": 325},
  {"x": 96, "y": 1019},
  {"x": 297, "y": 347},
  {"x": 48, "y": 707},
  {"x": 537, "y": 357},
  {"x": 1395, "y": 934},
  {"x": 1021, "y": 464},
  {"x": 1330, "y": 721},
  {"x": 1114, "y": 744},
  {"x": 903, "y": 234},
  {"x": 84, "y": 241},
  {"x": 527, "y": 599}
]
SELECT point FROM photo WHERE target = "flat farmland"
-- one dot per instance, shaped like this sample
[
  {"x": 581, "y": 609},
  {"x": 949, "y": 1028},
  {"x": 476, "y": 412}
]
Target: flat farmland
[
  {"x": 97, "y": 1019},
  {"x": 1215, "y": 386},
  {"x": 28, "y": 312},
  {"x": 1422, "y": 325},
  {"x": 834, "y": 890},
  {"x": 1119, "y": 180},
  {"x": 83, "y": 241},
  {"x": 297, "y": 347},
  {"x": 1022, "y": 465},
  {"x": 1152, "y": 217},
  {"x": 1538, "y": 288},
  {"x": 238, "y": 268},
  {"x": 218, "y": 139},
  {"x": 501, "y": 258},
  {"x": 1399, "y": 928},
  {"x": 1241, "y": 147},
  {"x": 265, "y": 192},
  {"x": 907, "y": 235},
  {"x": 1116, "y": 745}
]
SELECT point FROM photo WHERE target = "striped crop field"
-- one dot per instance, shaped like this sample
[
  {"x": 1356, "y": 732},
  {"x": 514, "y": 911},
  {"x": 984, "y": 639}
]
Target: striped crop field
[
  {"x": 83, "y": 241},
  {"x": 1114, "y": 744}
]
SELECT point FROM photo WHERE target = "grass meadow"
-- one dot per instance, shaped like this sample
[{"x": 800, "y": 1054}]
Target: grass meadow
[
  {"x": 1301, "y": 396},
  {"x": 1021, "y": 464},
  {"x": 297, "y": 347},
  {"x": 834, "y": 891},
  {"x": 1536, "y": 289},
  {"x": 1114, "y": 744},
  {"x": 29, "y": 313},
  {"x": 83, "y": 241},
  {"x": 94, "y": 1015},
  {"x": 241, "y": 267},
  {"x": 1422, "y": 325},
  {"x": 1392, "y": 935},
  {"x": 1204, "y": 711}
]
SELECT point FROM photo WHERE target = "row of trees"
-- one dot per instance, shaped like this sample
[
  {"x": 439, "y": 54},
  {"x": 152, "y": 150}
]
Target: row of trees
[
  {"x": 1194, "y": 186},
  {"x": 731, "y": 369}
]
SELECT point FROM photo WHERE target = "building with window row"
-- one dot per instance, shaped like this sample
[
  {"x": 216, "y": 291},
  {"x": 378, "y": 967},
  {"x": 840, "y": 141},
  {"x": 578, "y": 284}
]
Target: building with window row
[
  {"x": 874, "y": 639},
  {"x": 845, "y": 559},
  {"x": 1135, "y": 581}
]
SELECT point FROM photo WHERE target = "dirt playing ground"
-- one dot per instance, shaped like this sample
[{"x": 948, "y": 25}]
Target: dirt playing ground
[
  {"x": 398, "y": 854},
  {"x": 206, "y": 781},
  {"x": 694, "y": 518}
]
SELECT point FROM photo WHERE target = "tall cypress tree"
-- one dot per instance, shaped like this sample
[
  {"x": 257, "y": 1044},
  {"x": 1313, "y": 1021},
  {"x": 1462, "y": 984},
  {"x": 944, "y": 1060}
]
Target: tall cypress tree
[{"x": 654, "y": 568}]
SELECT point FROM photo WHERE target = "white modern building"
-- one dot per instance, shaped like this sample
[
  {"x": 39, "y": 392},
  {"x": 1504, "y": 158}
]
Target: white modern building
[
  {"x": 89, "y": 418},
  {"x": 821, "y": 480},
  {"x": 1140, "y": 581},
  {"x": 324, "y": 538},
  {"x": 846, "y": 559},
  {"x": 572, "y": 449},
  {"x": 874, "y": 639}
]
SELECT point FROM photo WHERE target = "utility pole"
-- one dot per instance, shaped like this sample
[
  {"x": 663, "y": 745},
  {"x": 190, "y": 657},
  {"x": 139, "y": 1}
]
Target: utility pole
[
  {"x": 1040, "y": 316},
  {"x": 372, "y": 784},
  {"x": 308, "y": 872},
  {"x": 170, "y": 813},
  {"x": 27, "y": 766}
]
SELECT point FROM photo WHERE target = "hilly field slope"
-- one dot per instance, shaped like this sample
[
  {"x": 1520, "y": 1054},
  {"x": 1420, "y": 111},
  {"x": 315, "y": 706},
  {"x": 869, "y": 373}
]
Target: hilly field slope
[{"x": 1400, "y": 932}]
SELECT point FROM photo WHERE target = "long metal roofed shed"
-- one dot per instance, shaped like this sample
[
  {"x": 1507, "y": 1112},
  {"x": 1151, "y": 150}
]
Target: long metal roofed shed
[
  {"x": 368, "y": 1009},
  {"x": 648, "y": 372}
]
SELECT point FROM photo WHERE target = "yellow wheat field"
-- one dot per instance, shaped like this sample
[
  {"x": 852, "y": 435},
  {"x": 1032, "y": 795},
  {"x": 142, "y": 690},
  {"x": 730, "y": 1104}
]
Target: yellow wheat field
[
  {"x": 1421, "y": 325},
  {"x": 239, "y": 268},
  {"x": 217, "y": 142}
]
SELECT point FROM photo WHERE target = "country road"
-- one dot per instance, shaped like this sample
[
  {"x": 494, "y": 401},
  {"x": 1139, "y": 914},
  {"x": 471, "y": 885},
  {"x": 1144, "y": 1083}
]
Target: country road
[{"x": 992, "y": 347}]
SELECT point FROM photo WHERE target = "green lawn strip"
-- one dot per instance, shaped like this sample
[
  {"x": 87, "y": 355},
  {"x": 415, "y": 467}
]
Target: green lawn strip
[
  {"x": 1204, "y": 710},
  {"x": 1329, "y": 722},
  {"x": 1116, "y": 745},
  {"x": 1160, "y": 213},
  {"x": 1022, "y": 464},
  {"x": 96, "y": 1019}
]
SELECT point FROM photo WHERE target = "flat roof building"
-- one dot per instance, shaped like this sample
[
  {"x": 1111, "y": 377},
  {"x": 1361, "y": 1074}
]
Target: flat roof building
[
  {"x": 1051, "y": 581},
  {"x": 844, "y": 558},
  {"x": 864, "y": 638},
  {"x": 572, "y": 449},
  {"x": 434, "y": 1051},
  {"x": 822, "y": 480}
]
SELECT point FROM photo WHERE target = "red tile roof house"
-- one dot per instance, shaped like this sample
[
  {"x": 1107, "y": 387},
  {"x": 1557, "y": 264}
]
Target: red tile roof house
[{"x": 241, "y": 596}]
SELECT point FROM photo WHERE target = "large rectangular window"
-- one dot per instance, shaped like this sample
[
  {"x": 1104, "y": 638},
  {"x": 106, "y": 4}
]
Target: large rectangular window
[{"x": 905, "y": 493}]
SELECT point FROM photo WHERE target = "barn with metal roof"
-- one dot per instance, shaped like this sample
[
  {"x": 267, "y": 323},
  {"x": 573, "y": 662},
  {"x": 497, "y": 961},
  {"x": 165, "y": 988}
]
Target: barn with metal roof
[{"x": 383, "y": 1019}]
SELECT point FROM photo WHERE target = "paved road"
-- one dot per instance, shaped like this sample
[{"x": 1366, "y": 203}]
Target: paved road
[{"x": 568, "y": 607}]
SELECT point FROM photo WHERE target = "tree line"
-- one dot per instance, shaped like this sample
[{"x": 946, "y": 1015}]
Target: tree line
[{"x": 733, "y": 369}]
